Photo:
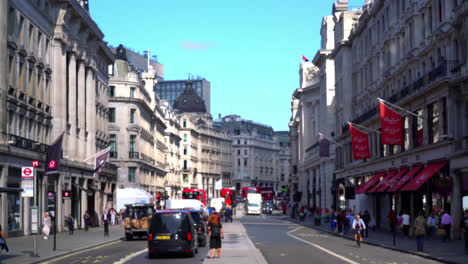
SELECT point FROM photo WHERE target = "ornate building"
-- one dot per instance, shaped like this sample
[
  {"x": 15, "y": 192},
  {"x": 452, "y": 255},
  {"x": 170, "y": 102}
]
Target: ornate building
[
  {"x": 136, "y": 126},
  {"x": 53, "y": 81},
  {"x": 255, "y": 153}
]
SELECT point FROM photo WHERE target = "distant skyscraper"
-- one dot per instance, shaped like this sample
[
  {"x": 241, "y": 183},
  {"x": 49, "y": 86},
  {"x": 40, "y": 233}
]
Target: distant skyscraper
[{"x": 171, "y": 89}]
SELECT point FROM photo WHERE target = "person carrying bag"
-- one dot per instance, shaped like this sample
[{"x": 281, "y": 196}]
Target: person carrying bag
[
  {"x": 216, "y": 234},
  {"x": 3, "y": 244}
]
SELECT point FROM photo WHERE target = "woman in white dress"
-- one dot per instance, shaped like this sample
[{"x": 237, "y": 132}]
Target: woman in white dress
[
  {"x": 46, "y": 226},
  {"x": 113, "y": 217}
]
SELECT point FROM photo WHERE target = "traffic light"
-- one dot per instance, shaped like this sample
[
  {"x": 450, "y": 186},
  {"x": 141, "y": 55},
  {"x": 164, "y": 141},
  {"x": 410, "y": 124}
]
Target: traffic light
[
  {"x": 340, "y": 192},
  {"x": 66, "y": 195}
]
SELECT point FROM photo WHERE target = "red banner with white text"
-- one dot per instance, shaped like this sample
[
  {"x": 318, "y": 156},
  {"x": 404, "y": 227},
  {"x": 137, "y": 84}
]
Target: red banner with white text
[
  {"x": 360, "y": 142},
  {"x": 392, "y": 126}
]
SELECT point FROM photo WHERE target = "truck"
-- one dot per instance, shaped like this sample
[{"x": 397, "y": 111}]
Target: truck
[
  {"x": 253, "y": 203},
  {"x": 137, "y": 218}
]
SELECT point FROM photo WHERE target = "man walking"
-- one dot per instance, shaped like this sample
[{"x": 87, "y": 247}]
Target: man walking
[
  {"x": 447, "y": 225},
  {"x": 105, "y": 219},
  {"x": 71, "y": 224},
  {"x": 464, "y": 229},
  {"x": 367, "y": 218},
  {"x": 3, "y": 244},
  {"x": 406, "y": 223}
]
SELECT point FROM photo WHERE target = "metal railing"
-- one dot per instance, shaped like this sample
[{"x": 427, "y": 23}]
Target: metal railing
[
  {"x": 133, "y": 155},
  {"x": 25, "y": 143}
]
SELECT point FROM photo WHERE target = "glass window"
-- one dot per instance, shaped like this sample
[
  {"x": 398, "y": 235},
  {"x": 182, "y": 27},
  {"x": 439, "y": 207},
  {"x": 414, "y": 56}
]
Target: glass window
[
  {"x": 111, "y": 115},
  {"x": 185, "y": 176},
  {"x": 132, "y": 174},
  {"x": 185, "y": 150},
  {"x": 132, "y": 92},
  {"x": 113, "y": 150},
  {"x": 185, "y": 122},
  {"x": 132, "y": 143},
  {"x": 14, "y": 213},
  {"x": 245, "y": 152},
  {"x": 246, "y": 174},
  {"x": 132, "y": 115},
  {"x": 185, "y": 137},
  {"x": 185, "y": 165},
  {"x": 238, "y": 152},
  {"x": 111, "y": 91}
]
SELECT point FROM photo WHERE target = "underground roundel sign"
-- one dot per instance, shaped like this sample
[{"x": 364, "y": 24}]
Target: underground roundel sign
[{"x": 52, "y": 164}]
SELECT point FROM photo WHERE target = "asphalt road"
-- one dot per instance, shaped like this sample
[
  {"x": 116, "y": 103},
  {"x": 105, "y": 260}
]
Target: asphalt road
[
  {"x": 122, "y": 251},
  {"x": 282, "y": 241}
]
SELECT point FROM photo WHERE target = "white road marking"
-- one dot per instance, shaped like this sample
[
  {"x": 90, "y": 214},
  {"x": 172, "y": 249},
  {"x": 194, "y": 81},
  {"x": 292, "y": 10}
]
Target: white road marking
[
  {"x": 129, "y": 257},
  {"x": 81, "y": 251},
  {"x": 319, "y": 247},
  {"x": 282, "y": 254}
]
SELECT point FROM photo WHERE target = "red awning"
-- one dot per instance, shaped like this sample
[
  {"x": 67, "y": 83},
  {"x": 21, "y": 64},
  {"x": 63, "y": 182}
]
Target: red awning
[
  {"x": 382, "y": 182},
  {"x": 405, "y": 179},
  {"x": 363, "y": 188},
  {"x": 424, "y": 176},
  {"x": 390, "y": 182}
]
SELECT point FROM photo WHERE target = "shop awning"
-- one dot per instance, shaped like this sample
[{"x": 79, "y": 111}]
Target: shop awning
[
  {"x": 405, "y": 179},
  {"x": 424, "y": 176},
  {"x": 390, "y": 182},
  {"x": 10, "y": 189},
  {"x": 363, "y": 188},
  {"x": 383, "y": 181}
]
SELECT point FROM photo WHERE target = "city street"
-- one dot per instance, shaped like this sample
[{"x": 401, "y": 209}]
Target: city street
[{"x": 278, "y": 239}]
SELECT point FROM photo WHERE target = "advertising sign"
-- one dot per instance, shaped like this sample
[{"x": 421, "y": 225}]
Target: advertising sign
[
  {"x": 27, "y": 181},
  {"x": 34, "y": 220}
]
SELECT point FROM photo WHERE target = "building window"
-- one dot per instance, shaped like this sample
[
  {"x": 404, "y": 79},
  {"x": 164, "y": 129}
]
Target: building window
[
  {"x": 245, "y": 142},
  {"x": 185, "y": 177},
  {"x": 132, "y": 115},
  {"x": 132, "y": 144},
  {"x": 418, "y": 135},
  {"x": 113, "y": 147},
  {"x": 185, "y": 150},
  {"x": 185, "y": 165},
  {"x": 245, "y": 152},
  {"x": 132, "y": 92},
  {"x": 185, "y": 137},
  {"x": 238, "y": 162},
  {"x": 185, "y": 122},
  {"x": 111, "y": 91},
  {"x": 238, "y": 152},
  {"x": 246, "y": 174},
  {"x": 238, "y": 142},
  {"x": 111, "y": 115},
  {"x": 245, "y": 162},
  {"x": 239, "y": 175},
  {"x": 131, "y": 174}
]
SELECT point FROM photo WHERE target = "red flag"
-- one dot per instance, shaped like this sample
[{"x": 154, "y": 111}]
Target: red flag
[
  {"x": 392, "y": 126},
  {"x": 304, "y": 58},
  {"x": 360, "y": 142}
]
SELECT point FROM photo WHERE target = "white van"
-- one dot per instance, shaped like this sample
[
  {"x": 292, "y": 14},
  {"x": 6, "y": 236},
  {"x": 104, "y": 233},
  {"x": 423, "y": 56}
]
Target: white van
[
  {"x": 217, "y": 203},
  {"x": 186, "y": 203}
]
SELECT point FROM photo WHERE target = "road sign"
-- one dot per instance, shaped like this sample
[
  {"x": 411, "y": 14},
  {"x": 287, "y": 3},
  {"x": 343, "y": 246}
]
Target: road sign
[
  {"x": 34, "y": 220},
  {"x": 35, "y": 163},
  {"x": 27, "y": 181},
  {"x": 27, "y": 172}
]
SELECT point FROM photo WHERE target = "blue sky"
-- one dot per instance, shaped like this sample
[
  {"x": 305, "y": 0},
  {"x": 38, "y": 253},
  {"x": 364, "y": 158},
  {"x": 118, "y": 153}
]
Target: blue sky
[{"x": 250, "y": 51}]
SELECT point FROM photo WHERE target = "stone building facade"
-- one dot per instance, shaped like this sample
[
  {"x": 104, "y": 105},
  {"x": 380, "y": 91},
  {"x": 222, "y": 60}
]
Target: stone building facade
[
  {"x": 54, "y": 81},
  {"x": 284, "y": 160},
  {"x": 136, "y": 126},
  {"x": 255, "y": 153},
  {"x": 412, "y": 54}
]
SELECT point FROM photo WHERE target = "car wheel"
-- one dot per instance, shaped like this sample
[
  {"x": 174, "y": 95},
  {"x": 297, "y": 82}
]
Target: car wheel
[
  {"x": 152, "y": 255},
  {"x": 128, "y": 237}
]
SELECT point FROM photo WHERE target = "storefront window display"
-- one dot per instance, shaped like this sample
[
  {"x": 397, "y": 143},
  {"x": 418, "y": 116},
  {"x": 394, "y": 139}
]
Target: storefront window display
[{"x": 14, "y": 211}]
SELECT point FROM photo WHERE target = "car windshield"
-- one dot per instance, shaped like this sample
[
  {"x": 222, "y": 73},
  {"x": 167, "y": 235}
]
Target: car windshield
[
  {"x": 138, "y": 212},
  {"x": 170, "y": 223},
  {"x": 253, "y": 204}
]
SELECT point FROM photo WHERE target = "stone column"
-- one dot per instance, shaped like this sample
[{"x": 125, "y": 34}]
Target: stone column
[
  {"x": 84, "y": 202},
  {"x": 456, "y": 208},
  {"x": 90, "y": 112},
  {"x": 58, "y": 196},
  {"x": 98, "y": 201},
  {"x": 72, "y": 151},
  {"x": 411, "y": 120},
  {"x": 440, "y": 126},
  {"x": 81, "y": 111},
  {"x": 58, "y": 88},
  {"x": 425, "y": 114},
  {"x": 3, "y": 72}
]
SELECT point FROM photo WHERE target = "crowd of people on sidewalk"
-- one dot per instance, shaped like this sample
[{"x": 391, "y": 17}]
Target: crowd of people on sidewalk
[{"x": 434, "y": 226}]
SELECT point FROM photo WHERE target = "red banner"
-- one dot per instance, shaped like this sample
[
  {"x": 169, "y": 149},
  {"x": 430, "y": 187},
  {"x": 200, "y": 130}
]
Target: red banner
[
  {"x": 360, "y": 142},
  {"x": 392, "y": 126}
]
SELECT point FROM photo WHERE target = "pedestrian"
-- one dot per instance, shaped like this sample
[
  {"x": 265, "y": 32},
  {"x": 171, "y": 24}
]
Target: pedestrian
[
  {"x": 46, "y": 226},
  {"x": 86, "y": 220},
  {"x": 105, "y": 219},
  {"x": 406, "y": 223},
  {"x": 366, "y": 218},
  {"x": 302, "y": 213},
  {"x": 3, "y": 244},
  {"x": 420, "y": 230},
  {"x": 333, "y": 221},
  {"x": 71, "y": 224},
  {"x": 464, "y": 226},
  {"x": 113, "y": 217},
  {"x": 431, "y": 225},
  {"x": 339, "y": 219},
  {"x": 228, "y": 214},
  {"x": 446, "y": 225},
  {"x": 215, "y": 229},
  {"x": 284, "y": 208}
]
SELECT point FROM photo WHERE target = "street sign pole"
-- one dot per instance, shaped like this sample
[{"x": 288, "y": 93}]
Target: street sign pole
[{"x": 35, "y": 253}]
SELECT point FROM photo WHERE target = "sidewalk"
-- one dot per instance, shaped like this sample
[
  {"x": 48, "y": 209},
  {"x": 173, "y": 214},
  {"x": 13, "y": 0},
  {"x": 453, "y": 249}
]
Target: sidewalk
[
  {"x": 236, "y": 247},
  {"x": 448, "y": 252},
  {"x": 21, "y": 248}
]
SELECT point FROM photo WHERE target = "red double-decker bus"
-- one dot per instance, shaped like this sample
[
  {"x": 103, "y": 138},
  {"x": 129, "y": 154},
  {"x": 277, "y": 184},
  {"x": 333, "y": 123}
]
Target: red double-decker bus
[
  {"x": 267, "y": 193},
  {"x": 226, "y": 194},
  {"x": 194, "y": 193},
  {"x": 247, "y": 190}
]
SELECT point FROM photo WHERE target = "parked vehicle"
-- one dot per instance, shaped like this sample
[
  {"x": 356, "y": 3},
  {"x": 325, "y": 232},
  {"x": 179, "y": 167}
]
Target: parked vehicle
[
  {"x": 247, "y": 190},
  {"x": 199, "y": 220},
  {"x": 217, "y": 203},
  {"x": 136, "y": 219},
  {"x": 253, "y": 203},
  {"x": 267, "y": 208},
  {"x": 172, "y": 231}
]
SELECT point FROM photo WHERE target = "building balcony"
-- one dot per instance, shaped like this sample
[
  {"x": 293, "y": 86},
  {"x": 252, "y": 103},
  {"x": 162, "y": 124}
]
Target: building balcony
[
  {"x": 133, "y": 155},
  {"x": 147, "y": 158},
  {"x": 24, "y": 143}
]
